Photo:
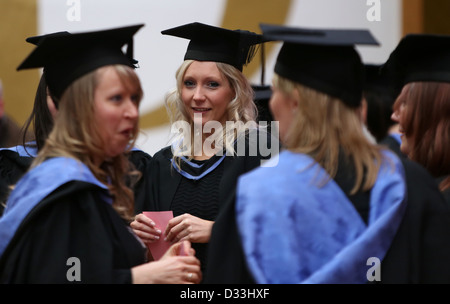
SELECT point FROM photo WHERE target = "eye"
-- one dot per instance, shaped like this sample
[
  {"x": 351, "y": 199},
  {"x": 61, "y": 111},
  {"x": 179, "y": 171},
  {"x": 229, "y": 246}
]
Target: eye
[
  {"x": 136, "y": 98},
  {"x": 189, "y": 83},
  {"x": 213, "y": 84},
  {"x": 116, "y": 98}
]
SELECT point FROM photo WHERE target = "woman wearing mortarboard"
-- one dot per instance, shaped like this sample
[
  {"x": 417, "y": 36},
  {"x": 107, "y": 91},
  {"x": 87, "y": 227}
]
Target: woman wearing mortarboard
[
  {"x": 196, "y": 174},
  {"x": 420, "y": 70},
  {"x": 66, "y": 221},
  {"x": 15, "y": 161},
  {"x": 336, "y": 208}
]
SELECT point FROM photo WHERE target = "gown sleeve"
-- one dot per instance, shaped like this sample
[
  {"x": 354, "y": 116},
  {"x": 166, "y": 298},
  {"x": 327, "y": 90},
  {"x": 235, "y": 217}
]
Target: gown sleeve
[
  {"x": 420, "y": 250},
  {"x": 72, "y": 222}
]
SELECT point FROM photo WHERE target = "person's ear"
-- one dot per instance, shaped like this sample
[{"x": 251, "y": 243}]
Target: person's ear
[{"x": 295, "y": 99}]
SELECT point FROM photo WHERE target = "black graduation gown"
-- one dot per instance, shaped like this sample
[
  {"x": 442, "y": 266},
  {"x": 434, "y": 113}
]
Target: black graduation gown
[
  {"x": 141, "y": 161},
  {"x": 9, "y": 132},
  {"x": 164, "y": 182},
  {"x": 14, "y": 165},
  {"x": 164, "y": 179},
  {"x": 390, "y": 142},
  {"x": 418, "y": 254},
  {"x": 72, "y": 222}
]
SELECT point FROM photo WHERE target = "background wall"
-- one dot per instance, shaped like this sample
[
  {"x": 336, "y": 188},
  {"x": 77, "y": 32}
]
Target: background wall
[{"x": 159, "y": 56}]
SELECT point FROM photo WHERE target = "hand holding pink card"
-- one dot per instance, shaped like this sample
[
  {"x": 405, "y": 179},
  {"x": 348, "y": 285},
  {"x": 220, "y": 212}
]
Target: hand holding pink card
[{"x": 160, "y": 218}]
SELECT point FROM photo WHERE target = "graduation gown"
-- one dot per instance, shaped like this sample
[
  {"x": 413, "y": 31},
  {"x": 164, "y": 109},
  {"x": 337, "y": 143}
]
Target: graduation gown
[
  {"x": 54, "y": 215},
  {"x": 15, "y": 161},
  {"x": 393, "y": 142},
  {"x": 9, "y": 132},
  {"x": 165, "y": 180},
  {"x": 417, "y": 253},
  {"x": 141, "y": 161}
]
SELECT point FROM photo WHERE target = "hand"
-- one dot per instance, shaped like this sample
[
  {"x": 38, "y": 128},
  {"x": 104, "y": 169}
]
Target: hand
[
  {"x": 145, "y": 229},
  {"x": 182, "y": 248},
  {"x": 190, "y": 228},
  {"x": 171, "y": 268}
]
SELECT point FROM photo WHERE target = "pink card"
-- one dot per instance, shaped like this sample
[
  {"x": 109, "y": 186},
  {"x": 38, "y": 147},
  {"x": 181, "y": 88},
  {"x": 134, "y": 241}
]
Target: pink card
[{"x": 161, "y": 218}]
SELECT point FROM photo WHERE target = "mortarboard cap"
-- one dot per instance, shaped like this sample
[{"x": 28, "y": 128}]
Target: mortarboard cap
[
  {"x": 37, "y": 39},
  {"x": 67, "y": 57},
  {"x": 210, "y": 43},
  {"x": 322, "y": 59},
  {"x": 419, "y": 57},
  {"x": 373, "y": 76},
  {"x": 376, "y": 80}
]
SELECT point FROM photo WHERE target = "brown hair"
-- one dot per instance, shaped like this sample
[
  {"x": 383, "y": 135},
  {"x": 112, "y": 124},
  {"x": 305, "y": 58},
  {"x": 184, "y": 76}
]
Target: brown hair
[
  {"x": 76, "y": 135},
  {"x": 426, "y": 123}
]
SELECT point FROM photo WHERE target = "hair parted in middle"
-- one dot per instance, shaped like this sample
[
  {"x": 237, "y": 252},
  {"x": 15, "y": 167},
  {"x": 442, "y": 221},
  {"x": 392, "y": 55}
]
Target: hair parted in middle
[{"x": 241, "y": 109}]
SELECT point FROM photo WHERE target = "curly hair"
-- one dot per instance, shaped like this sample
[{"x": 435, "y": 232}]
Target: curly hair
[{"x": 241, "y": 109}]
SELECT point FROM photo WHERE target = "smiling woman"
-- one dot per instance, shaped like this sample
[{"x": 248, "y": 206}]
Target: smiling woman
[
  {"x": 419, "y": 67},
  {"x": 211, "y": 88},
  {"x": 206, "y": 92}
]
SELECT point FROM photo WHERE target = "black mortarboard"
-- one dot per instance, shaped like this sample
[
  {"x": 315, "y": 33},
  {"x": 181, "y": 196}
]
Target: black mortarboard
[
  {"x": 376, "y": 80},
  {"x": 66, "y": 57},
  {"x": 419, "y": 57},
  {"x": 37, "y": 39},
  {"x": 374, "y": 77},
  {"x": 380, "y": 99},
  {"x": 322, "y": 59},
  {"x": 210, "y": 43}
]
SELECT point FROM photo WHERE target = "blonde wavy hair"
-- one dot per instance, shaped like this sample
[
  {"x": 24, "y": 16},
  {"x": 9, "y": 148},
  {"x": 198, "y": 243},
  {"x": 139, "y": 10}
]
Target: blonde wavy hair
[
  {"x": 76, "y": 135},
  {"x": 241, "y": 108},
  {"x": 324, "y": 126}
]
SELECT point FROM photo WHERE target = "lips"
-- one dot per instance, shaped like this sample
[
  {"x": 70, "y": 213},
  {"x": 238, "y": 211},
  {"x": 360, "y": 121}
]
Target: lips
[
  {"x": 127, "y": 132},
  {"x": 201, "y": 110}
]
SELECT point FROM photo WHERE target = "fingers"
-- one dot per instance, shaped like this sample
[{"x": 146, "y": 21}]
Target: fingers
[
  {"x": 185, "y": 248},
  {"x": 190, "y": 228},
  {"x": 192, "y": 273},
  {"x": 174, "y": 222},
  {"x": 178, "y": 228},
  {"x": 145, "y": 228},
  {"x": 193, "y": 277}
]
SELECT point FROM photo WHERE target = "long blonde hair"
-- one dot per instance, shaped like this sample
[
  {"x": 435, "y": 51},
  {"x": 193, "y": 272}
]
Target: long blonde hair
[
  {"x": 241, "y": 108},
  {"x": 75, "y": 135},
  {"x": 323, "y": 127}
]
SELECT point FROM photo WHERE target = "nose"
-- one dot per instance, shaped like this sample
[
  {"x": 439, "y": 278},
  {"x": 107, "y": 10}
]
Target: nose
[
  {"x": 198, "y": 94},
  {"x": 131, "y": 110},
  {"x": 395, "y": 116}
]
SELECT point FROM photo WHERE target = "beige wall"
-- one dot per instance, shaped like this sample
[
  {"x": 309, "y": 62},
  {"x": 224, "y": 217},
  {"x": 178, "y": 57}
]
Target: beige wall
[{"x": 18, "y": 21}]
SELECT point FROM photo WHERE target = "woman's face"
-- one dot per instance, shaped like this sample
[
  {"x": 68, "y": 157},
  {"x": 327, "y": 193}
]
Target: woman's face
[
  {"x": 283, "y": 108},
  {"x": 116, "y": 110},
  {"x": 399, "y": 116},
  {"x": 206, "y": 92}
]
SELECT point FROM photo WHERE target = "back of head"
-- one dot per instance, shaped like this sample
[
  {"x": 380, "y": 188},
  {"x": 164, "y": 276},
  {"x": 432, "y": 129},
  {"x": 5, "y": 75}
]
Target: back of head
[{"x": 323, "y": 71}]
